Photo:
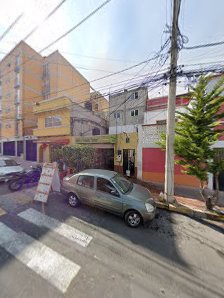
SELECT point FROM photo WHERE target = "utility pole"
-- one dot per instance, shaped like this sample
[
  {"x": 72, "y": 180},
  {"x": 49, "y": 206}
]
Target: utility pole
[{"x": 170, "y": 133}]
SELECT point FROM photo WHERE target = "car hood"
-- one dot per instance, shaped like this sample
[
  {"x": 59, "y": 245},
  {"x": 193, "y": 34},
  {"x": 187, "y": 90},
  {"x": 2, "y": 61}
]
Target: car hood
[
  {"x": 140, "y": 193},
  {"x": 8, "y": 170}
]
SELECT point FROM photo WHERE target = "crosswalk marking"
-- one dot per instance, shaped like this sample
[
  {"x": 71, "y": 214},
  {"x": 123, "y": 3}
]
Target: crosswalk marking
[
  {"x": 50, "y": 265},
  {"x": 42, "y": 220}
]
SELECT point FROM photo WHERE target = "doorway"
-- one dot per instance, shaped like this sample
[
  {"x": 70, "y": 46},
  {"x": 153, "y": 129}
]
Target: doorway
[{"x": 129, "y": 161}]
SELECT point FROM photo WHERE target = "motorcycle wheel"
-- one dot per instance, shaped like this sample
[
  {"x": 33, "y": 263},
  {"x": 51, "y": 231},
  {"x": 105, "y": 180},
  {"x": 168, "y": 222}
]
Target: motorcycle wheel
[{"x": 15, "y": 185}]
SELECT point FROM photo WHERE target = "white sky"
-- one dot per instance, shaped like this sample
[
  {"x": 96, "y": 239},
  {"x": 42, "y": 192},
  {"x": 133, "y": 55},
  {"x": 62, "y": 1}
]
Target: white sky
[{"x": 123, "y": 33}]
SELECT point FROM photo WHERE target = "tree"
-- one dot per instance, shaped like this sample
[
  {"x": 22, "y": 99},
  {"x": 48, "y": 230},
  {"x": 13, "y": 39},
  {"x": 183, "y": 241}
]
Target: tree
[{"x": 198, "y": 129}]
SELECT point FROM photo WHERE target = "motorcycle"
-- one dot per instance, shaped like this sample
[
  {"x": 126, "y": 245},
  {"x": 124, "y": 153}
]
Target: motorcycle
[{"x": 31, "y": 175}]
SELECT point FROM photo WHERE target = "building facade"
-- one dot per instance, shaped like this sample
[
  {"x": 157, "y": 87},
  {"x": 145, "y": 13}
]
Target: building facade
[
  {"x": 127, "y": 110},
  {"x": 20, "y": 87},
  {"x": 60, "y": 121},
  {"x": 151, "y": 159},
  {"x": 27, "y": 78}
]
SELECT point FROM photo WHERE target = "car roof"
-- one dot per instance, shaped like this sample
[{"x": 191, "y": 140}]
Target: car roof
[{"x": 99, "y": 172}]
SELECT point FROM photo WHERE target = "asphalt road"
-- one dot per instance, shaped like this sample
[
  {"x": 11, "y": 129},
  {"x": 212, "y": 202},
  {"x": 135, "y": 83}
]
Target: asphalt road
[{"x": 94, "y": 254}]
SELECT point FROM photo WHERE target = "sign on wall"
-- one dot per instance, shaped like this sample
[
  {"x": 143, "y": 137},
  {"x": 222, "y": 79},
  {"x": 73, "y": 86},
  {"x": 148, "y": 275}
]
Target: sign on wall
[{"x": 49, "y": 179}]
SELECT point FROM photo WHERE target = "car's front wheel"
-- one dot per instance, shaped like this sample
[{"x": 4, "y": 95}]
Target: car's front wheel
[
  {"x": 133, "y": 219},
  {"x": 73, "y": 200}
]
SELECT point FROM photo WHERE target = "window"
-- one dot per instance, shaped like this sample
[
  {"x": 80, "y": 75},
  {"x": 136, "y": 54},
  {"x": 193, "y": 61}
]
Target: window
[
  {"x": 56, "y": 121},
  {"x": 161, "y": 122},
  {"x": 18, "y": 110},
  {"x": 8, "y": 125},
  {"x": 134, "y": 113},
  {"x": 17, "y": 128},
  {"x": 134, "y": 95},
  {"x": 86, "y": 181},
  {"x": 17, "y": 78},
  {"x": 96, "y": 131},
  {"x": 17, "y": 95},
  {"x": 52, "y": 121},
  {"x": 88, "y": 106},
  {"x": 7, "y": 110},
  {"x": 45, "y": 70},
  {"x": 17, "y": 60},
  {"x": 96, "y": 107},
  {"x": 105, "y": 186},
  {"x": 117, "y": 115},
  {"x": 48, "y": 122}
]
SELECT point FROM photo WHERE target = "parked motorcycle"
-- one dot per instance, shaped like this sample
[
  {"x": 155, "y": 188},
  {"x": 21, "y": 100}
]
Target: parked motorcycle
[{"x": 31, "y": 175}]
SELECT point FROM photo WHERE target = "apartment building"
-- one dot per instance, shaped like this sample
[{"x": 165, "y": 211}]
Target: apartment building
[
  {"x": 26, "y": 78},
  {"x": 127, "y": 110},
  {"x": 126, "y": 114}
]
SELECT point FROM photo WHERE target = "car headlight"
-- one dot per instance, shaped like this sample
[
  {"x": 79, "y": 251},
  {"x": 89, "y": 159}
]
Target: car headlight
[{"x": 149, "y": 207}]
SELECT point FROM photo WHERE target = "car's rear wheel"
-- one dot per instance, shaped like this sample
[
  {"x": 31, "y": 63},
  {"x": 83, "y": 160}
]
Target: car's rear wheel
[
  {"x": 133, "y": 219},
  {"x": 73, "y": 200}
]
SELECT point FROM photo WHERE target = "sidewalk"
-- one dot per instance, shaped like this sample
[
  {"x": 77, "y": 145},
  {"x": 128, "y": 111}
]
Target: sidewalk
[{"x": 192, "y": 206}]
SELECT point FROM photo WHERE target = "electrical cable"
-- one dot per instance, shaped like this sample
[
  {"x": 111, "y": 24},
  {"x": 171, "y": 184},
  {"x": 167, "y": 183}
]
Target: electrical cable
[
  {"x": 11, "y": 26},
  {"x": 45, "y": 19}
]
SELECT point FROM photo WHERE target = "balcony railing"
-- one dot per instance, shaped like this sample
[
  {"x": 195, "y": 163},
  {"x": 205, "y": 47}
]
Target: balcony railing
[{"x": 17, "y": 68}]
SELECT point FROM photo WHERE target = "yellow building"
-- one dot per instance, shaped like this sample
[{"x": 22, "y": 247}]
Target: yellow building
[
  {"x": 125, "y": 153},
  {"x": 60, "y": 122},
  {"x": 27, "y": 78},
  {"x": 53, "y": 127}
]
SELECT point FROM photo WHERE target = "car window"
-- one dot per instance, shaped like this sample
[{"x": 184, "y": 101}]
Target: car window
[
  {"x": 122, "y": 184},
  {"x": 105, "y": 185},
  {"x": 8, "y": 163},
  {"x": 86, "y": 181}
]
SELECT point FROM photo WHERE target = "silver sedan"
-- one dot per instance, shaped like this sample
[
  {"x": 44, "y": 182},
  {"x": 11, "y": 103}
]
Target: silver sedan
[{"x": 111, "y": 192}]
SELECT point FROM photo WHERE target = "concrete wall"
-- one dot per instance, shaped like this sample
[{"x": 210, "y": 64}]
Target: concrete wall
[
  {"x": 84, "y": 121},
  {"x": 125, "y": 109}
]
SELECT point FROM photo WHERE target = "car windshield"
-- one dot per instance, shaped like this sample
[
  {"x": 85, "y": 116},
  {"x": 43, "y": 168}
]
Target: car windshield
[
  {"x": 122, "y": 184},
  {"x": 8, "y": 163}
]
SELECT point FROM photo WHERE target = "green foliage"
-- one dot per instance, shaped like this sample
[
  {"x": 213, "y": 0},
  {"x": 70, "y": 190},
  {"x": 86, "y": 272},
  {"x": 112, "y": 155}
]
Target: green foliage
[
  {"x": 76, "y": 156},
  {"x": 197, "y": 130}
]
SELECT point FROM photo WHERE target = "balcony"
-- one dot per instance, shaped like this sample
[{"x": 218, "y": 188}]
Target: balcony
[
  {"x": 17, "y": 100},
  {"x": 17, "y": 84},
  {"x": 17, "y": 68}
]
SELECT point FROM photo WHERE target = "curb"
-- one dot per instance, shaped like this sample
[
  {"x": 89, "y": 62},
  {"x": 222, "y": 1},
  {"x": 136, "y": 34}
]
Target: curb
[{"x": 190, "y": 212}]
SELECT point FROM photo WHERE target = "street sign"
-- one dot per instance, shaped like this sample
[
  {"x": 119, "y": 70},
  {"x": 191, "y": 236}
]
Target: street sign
[{"x": 49, "y": 179}]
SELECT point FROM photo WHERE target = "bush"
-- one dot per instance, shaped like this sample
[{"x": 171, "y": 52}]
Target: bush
[{"x": 78, "y": 157}]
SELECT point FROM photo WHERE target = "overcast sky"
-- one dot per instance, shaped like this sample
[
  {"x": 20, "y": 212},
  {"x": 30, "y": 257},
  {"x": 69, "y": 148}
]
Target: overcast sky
[{"x": 121, "y": 34}]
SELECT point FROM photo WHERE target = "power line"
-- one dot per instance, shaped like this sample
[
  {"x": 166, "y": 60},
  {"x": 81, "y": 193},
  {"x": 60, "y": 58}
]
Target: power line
[
  {"x": 77, "y": 25},
  {"x": 45, "y": 19},
  {"x": 212, "y": 44},
  {"x": 65, "y": 34},
  {"x": 11, "y": 26}
]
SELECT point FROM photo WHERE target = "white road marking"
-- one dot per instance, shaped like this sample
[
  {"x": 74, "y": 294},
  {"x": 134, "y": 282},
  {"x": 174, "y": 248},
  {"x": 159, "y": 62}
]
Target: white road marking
[
  {"x": 44, "y": 261},
  {"x": 42, "y": 220}
]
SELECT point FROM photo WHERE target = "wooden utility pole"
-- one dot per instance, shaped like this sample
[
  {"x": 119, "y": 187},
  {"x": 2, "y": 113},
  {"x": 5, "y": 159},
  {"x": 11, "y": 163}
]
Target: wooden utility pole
[{"x": 170, "y": 134}]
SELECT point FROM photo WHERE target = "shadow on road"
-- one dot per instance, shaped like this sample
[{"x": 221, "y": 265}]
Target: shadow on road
[{"x": 159, "y": 237}]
